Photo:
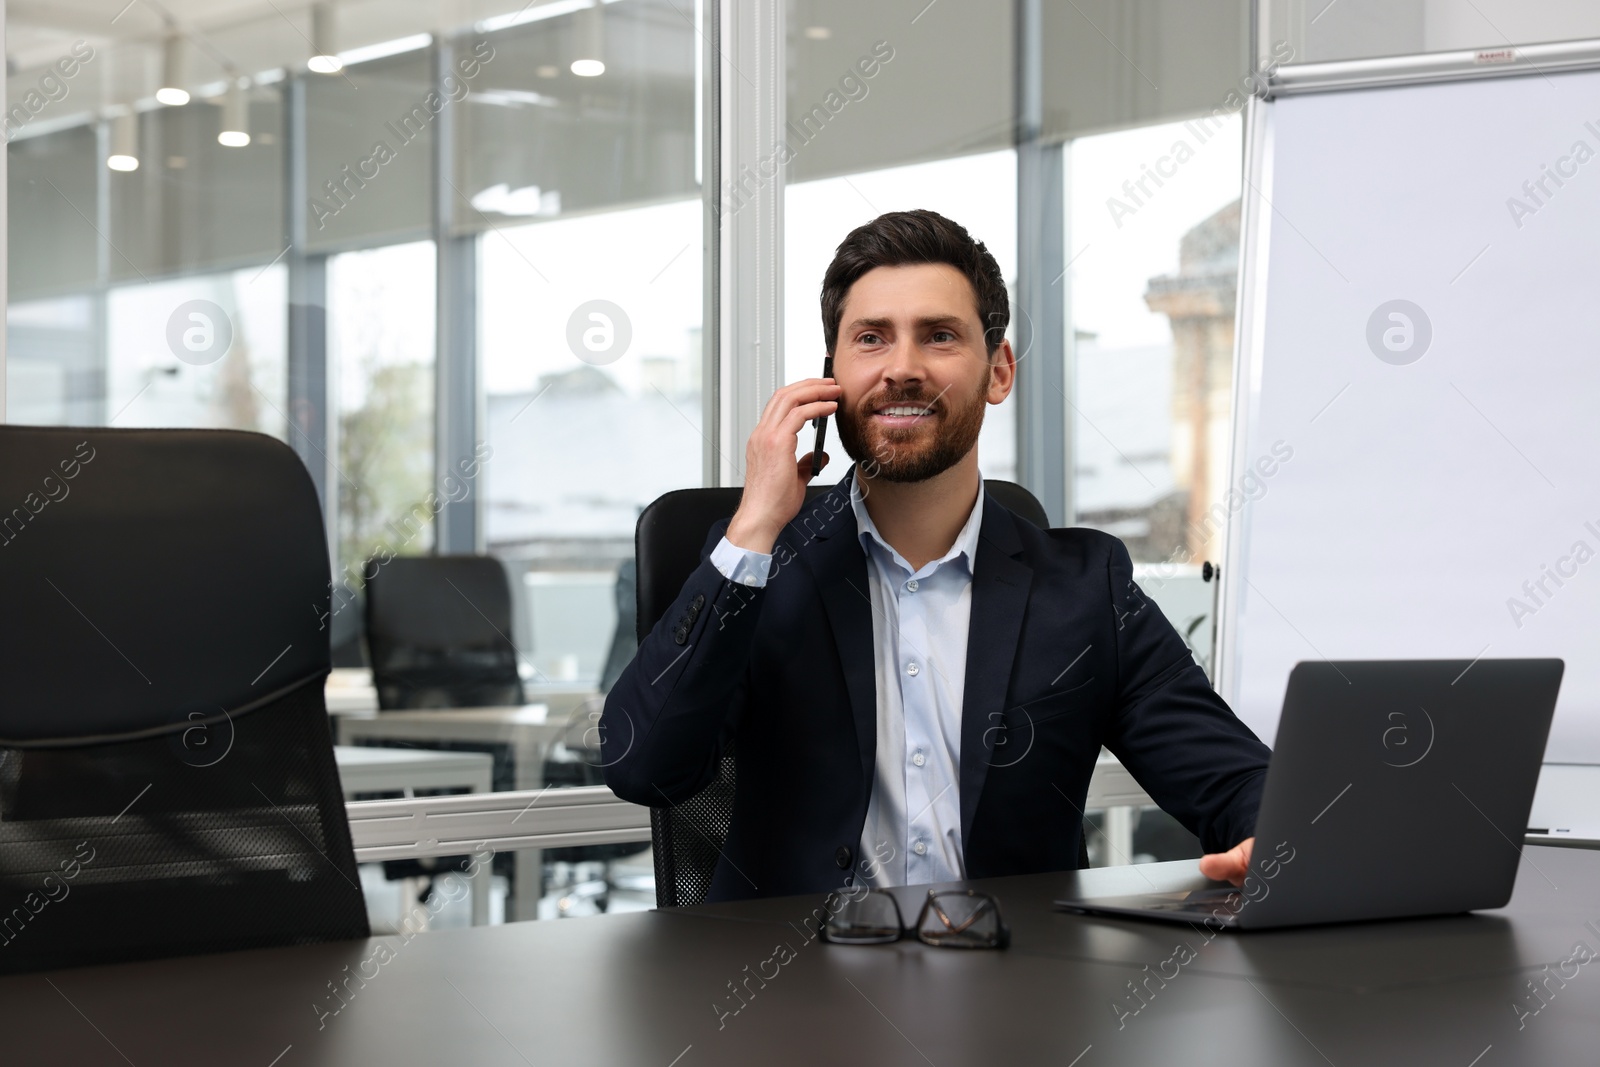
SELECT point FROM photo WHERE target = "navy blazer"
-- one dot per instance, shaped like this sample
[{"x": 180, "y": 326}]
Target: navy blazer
[{"x": 1064, "y": 655}]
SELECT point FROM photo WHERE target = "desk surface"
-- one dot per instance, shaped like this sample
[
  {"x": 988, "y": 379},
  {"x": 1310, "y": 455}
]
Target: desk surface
[
  {"x": 353, "y": 756},
  {"x": 656, "y": 988}
]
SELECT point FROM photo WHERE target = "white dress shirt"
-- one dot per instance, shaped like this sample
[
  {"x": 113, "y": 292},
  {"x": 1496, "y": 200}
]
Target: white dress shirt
[{"x": 920, "y": 621}]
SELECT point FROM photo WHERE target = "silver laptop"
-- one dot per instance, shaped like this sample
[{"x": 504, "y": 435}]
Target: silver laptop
[{"x": 1397, "y": 788}]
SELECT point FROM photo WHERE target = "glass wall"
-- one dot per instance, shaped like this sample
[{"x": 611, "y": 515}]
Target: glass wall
[
  {"x": 380, "y": 344},
  {"x": 1152, "y": 290},
  {"x": 427, "y": 240},
  {"x": 887, "y": 113}
]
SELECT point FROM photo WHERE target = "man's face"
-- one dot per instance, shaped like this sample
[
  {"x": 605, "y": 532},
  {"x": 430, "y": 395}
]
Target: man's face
[{"x": 913, "y": 371}]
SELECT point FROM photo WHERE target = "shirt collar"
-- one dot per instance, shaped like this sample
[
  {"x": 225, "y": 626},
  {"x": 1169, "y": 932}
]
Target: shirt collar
[{"x": 962, "y": 552}]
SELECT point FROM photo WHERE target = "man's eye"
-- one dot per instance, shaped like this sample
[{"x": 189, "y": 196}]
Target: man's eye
[
  {"x": 943, "y": 337},
  {"x": 869, "y": 339}
]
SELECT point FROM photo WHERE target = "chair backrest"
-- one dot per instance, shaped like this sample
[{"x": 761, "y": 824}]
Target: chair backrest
[
  {"x": 671, "y": 532},
  {"x": 167, "y": 782},
  {"x": 439, "y": 633}
]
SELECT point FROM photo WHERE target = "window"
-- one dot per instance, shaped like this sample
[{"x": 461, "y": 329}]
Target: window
[
  {"x": 592, "y": 378},
  {"x": 1153, "y": 278},
  {"x": 381, "y": 349}
]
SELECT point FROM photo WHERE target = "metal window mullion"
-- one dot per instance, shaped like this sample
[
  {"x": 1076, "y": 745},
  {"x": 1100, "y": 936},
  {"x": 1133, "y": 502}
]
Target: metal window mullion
[
  {"x": 709, "y": 11},
  {"x": 457, "y": 529},
  {"x": 1043, "y": 391},
  {"x": 749, "y": 197},
  {"x": 309, "y": 430}
]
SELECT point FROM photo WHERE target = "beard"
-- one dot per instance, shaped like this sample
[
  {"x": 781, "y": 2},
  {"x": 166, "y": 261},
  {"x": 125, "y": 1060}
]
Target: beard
[{"x": 912, "y": 453}]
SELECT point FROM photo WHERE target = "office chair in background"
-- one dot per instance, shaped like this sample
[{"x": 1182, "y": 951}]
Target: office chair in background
[
  {"x": 167, "y": 781},
  {"x": 688, "y": 836},
  {"x": 438, "y": 633}
]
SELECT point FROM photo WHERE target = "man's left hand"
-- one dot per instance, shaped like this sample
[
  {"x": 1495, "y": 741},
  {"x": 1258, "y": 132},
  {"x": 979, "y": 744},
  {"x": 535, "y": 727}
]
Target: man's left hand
[{"x": 1229, "y": 866}]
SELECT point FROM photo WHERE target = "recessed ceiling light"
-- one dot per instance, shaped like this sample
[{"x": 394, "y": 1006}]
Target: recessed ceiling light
[
  {"x": 588, "y": 68},
  {"x": 818, "y": 33}
]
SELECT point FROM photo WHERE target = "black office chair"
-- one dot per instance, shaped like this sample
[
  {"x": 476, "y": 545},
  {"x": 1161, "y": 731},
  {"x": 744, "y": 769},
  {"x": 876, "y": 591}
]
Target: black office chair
[
  {"x": 167, "y": 781},
  {"x": 439, "y": 633},
  {"x": 439, "y": 636},
  {"x": 688, "y": 836}
]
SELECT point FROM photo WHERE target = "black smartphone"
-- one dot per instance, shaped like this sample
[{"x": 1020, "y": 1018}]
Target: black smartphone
[{"x": 821, "y": 424}]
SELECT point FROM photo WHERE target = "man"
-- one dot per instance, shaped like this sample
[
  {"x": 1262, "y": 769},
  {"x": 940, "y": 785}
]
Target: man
[{"x": 917, "y": 682}]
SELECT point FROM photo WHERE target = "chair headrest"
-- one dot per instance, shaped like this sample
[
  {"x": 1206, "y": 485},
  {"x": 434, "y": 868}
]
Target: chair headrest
[{"x": 147, "y": 576}]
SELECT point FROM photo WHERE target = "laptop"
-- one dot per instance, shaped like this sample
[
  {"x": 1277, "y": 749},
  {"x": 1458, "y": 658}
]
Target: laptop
[{"x": 1397, "y": 788}]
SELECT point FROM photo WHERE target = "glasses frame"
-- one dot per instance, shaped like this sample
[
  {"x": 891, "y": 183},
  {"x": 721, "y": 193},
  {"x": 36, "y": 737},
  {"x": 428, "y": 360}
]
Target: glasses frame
[{"x": 1002, "y": 938}]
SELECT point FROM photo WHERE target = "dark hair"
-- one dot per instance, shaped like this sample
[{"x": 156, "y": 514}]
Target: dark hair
[{"x": 921, "y": 236}]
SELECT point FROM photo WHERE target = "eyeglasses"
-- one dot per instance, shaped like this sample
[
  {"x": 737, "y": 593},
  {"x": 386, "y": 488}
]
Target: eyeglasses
[{"x": 958, "y": 918}]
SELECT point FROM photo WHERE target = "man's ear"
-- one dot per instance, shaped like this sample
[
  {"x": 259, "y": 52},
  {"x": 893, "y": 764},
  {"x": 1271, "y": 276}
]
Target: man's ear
[{"x": 1002, "y": 372}]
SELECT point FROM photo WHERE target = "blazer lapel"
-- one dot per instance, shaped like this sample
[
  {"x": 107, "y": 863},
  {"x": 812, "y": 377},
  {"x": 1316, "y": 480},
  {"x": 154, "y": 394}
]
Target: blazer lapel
[
  {"x": 1000, "y": 586},
  {"x": 839, "y": 565}
]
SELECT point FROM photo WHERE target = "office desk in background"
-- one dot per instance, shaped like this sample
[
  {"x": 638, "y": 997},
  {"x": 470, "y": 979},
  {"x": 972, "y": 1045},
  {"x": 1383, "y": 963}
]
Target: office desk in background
[
  {"x": 705, "y": 986},
  {"x": 527, "y": 732},
  {"x": 1566, "y": 806},
  {"x": 404, "y": 771}
]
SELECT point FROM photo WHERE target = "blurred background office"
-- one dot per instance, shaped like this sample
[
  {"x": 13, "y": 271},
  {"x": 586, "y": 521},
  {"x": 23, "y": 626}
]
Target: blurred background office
[{"x": 464, "y": 258}]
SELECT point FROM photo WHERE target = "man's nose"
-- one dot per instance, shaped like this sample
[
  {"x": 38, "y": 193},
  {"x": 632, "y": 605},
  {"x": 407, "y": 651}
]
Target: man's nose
[{"x": 906, "y": 364}]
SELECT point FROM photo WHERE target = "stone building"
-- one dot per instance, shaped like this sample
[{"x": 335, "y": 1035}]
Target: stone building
[{"x": 1199, "y": 301}]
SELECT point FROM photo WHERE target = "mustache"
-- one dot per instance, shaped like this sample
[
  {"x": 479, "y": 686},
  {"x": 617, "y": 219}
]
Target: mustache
[{"x": 891, "y": 397}]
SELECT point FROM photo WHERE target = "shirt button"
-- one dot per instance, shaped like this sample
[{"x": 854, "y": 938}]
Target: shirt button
[
  {"x": 912, "y": 669},
  {"x": 912, "y": 585},
  {"x": 749, "y": 579},
  {"x": 919, "y": 759},
  {"x": 919, "y": 848}
]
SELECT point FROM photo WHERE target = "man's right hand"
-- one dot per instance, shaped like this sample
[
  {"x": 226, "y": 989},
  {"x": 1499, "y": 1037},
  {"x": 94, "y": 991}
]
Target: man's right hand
[{"x": 774, "y": 481}]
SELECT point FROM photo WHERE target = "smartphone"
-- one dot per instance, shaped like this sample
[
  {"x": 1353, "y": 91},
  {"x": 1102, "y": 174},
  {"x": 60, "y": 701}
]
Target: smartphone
[{"x": 821, "y": 424}]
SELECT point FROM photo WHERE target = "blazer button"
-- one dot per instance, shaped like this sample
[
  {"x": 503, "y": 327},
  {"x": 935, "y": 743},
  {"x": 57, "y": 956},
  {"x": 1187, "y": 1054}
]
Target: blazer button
[
  {"x": 680, "y": 635},
  {"x": 698, "y": 602},
  {"x": 843, "y": 857}
]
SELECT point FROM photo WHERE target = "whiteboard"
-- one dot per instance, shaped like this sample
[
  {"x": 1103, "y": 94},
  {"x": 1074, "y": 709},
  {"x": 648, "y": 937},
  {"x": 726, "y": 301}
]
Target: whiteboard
[{"x": 1442, "y": 459}]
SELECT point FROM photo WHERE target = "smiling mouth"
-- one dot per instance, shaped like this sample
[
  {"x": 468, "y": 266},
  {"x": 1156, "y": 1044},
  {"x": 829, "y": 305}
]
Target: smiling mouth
[{"x": 901, "y": 414}]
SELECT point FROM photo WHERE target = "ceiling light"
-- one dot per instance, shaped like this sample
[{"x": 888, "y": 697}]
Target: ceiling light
[
  {"x": 235, "y": 131},
  {"x": 592, "y": 42},
  {"x": 818, "y": 33},
  {"x": 174, "y": 71},
  {"x": 124, "y": 154},
  {"x": 324, "y": 57}
]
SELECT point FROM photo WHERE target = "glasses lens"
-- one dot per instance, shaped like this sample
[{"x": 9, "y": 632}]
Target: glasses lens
[
  {"x": 871, "y": 918},
  {"x": 962, "y": 920}
]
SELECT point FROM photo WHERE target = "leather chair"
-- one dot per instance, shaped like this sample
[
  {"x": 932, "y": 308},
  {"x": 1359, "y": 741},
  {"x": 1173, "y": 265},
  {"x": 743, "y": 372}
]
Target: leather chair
[{"x": 167, "y": 781}]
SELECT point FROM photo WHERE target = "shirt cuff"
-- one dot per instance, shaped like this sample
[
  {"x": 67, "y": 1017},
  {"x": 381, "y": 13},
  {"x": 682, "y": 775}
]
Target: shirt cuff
[{"x": 740, "y": 565}]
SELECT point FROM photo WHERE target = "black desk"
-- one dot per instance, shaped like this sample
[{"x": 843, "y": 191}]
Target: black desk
[{"x": 646, "y": 989}]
